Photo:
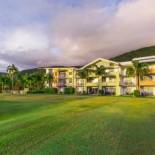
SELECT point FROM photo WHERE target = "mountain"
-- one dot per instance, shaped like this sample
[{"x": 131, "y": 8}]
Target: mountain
[
  {"x": 2, "y": 73},
  {"x": 29, "y": 71},
  {"x": 147, "y": 51}
]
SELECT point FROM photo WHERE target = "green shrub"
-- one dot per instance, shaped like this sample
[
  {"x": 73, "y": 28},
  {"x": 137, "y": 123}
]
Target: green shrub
[
  {"x": 69, "y": 90},
  {"x": 44, "y": 91},
  {"x": 136, "y": 93},
  {"x": 36, "y": 91},
  {"x": 50, "y": 90}
]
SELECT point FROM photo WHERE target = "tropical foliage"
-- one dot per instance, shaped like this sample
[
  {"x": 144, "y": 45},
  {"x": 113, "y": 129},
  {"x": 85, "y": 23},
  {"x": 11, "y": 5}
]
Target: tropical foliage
[
  {"x": 138, "y": 70},
  {"x": 15, "y": 80}
]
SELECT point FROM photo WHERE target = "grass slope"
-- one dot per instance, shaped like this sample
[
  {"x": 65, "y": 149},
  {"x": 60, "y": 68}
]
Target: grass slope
[
  {"x": 147, "y": 51},
  {"x": 67, "y": 125}
]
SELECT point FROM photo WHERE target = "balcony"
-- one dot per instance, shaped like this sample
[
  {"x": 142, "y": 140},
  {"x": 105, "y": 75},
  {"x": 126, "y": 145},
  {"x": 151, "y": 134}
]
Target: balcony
[
  {"x": 62, "y": 76},
  {"x": 147, "y": 83},
  {"x": 152, "y": 71},
  {"x": 61, "y": 84},
  {"x": 128, "y": 83},
  {"x": 109, "y": 74},
  {"x": 109, "y": 83},
  {"x": 80, "y": 84},
  {"x": 92, "y": 84},
  {"x": 103, "y": 83}
]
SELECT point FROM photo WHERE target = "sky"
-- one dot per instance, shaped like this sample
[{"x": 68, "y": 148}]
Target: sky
[{"x": 35, "y": 33}]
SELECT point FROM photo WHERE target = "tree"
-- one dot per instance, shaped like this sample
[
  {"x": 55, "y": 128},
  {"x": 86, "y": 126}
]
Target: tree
[
  {"x": 4, "y": 81},
  {"x": 99, "y": 72},
  {"x": 38, "y": 79},
  {"x": 48, "y": 78},
  {"x": 27, "y": 80},
  {"x": 138, "y": 70},
  {"x": 83, "y": 74},
  {"x": 12, "y": 71}
]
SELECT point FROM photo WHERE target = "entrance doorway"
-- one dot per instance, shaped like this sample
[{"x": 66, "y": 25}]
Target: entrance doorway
[
  {"x": 109, "y": 91},
  {"x": 92, "y": 90}
]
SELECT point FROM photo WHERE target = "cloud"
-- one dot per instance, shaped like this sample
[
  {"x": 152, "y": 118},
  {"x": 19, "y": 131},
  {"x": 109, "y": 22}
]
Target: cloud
[
  {"x": 77, "y": 33},
  {"x": 89, "y": 33},
  {"x": 25, "y": 47},
  {"x": 3, "y": 65}
]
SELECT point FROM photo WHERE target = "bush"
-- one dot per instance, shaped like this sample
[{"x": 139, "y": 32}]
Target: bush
[
  {"x": 36, "y": 91},
  {"x": 69, "y": 90},
  {"x": 44, "y": 91},
  {"x": 50, "y": 90},
  {"x": 136, "y": 93}
]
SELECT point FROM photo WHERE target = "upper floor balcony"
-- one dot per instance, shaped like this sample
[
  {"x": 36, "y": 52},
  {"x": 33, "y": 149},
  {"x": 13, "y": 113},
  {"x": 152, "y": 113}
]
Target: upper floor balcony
[
  {"x": 152, "y": 71},
  {"x": 128, "y": 83},
  {"x": 147, "y": 83},
  {"x": 109, "y": 83}
]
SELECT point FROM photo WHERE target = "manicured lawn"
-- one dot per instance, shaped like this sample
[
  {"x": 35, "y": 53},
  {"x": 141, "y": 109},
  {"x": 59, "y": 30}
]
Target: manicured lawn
[{"x": 69, "y": 125}]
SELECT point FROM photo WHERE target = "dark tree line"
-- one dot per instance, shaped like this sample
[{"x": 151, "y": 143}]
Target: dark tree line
[{"x": 15, "y": 80}]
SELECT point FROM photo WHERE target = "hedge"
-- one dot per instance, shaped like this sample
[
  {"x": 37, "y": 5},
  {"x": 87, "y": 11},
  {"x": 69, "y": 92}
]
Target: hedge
[
  {"x": 69, "y": 90},
  {"x": 44, "y": 91}
]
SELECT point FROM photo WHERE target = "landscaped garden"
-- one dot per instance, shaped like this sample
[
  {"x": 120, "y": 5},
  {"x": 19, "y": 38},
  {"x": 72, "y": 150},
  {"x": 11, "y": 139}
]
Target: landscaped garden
[{"x": 81, "y": 125}]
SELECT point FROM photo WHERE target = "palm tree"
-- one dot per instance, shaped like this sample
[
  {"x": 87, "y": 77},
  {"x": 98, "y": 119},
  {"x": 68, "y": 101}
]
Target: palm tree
[
  {"x": 49, "y": 78},
  {"x": 12, "y": 71},
  {"x": 2, "y": 81},
  {"x": 83, "y": 74},
  {"x": 138, "y": 70},
  {"x": 38, "y": 79},
  {"x": 99, "y": 72},
  {"x": 5, "y": 81}
]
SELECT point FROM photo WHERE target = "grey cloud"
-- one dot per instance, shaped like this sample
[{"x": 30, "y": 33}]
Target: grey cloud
[{"x": 77, "y": 35}]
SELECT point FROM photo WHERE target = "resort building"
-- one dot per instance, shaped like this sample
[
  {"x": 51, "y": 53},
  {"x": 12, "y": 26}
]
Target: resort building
[
  {"x": 115, "y": 81},
  {"x": 62, "y": 76}
]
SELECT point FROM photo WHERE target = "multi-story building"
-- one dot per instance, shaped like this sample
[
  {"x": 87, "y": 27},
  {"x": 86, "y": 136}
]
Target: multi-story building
[
  {"x": 63, "y": 76},
  {"x": 147, "y": 82},
  {"x": 114, "y": 82}
]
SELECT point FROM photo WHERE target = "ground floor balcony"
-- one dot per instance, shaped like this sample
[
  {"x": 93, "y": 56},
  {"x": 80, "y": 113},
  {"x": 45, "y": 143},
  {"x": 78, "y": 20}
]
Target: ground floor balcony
[{"x": 109, "y": 91}]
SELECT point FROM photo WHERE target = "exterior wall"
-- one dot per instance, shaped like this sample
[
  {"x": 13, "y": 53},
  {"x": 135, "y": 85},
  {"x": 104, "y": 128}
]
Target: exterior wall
[
  {"x": 110, "y": 82},
  {"x": 62, "y": 77},
  {"x": 147, "y": 83},
  {"x": 115, "y": 79}
]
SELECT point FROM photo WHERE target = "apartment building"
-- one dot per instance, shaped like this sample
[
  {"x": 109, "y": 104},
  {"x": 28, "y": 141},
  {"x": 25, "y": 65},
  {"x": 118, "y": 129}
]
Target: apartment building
[
  {"x": 63, "y": 76},
  {"x": 114, "y": 82},
  {"x": 108, "y": 84}
]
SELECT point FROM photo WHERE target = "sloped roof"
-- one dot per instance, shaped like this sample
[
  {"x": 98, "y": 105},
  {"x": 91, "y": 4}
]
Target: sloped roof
[{"x": 99, "y": 59}]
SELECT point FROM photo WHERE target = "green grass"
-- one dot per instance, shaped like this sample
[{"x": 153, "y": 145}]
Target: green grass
[{"x": 70, "y": 125}]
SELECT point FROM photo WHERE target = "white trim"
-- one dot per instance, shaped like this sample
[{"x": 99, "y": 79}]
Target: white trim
[
  {"x": 144, "y": 58},
  {"x": 99, "y": 59}
]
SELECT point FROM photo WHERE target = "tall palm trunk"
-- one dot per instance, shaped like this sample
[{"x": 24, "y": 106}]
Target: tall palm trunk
[
  {"x": 137, "y": 82},
  {"x": 83, "y": 85},
  {"x": 98, "y": 92},
  {"x": 12, "y": 83},
  {"x": 2, "y": 87}
]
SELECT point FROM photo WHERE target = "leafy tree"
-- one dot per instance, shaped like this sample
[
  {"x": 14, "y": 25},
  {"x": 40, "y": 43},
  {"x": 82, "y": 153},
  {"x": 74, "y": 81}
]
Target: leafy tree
[
  {"x": 48, "y": 78},
  {"x": 99, "y": 72},
  {"x": 4, "y": 81},
  {"x": 138, "y": 70},
  {"x": 12, "y": 71},
  {"x": 83, "y": 74}
]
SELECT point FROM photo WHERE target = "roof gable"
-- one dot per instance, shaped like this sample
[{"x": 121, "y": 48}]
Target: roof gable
[{"x": 97, "y": 60}]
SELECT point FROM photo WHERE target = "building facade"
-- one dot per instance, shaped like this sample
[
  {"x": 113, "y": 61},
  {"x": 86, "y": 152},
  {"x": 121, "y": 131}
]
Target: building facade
[{"x": 114, "y": 82}]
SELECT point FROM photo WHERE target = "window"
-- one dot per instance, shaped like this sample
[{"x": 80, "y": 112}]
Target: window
[
  {"x": 70, "y": 73},
  {"x": 70, "y": 80}
]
